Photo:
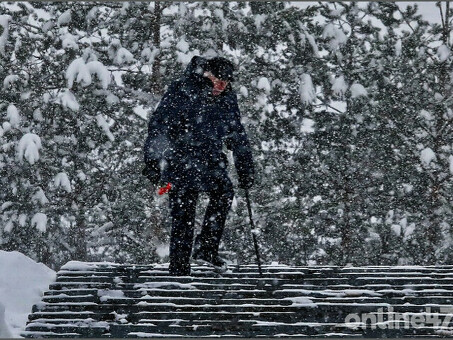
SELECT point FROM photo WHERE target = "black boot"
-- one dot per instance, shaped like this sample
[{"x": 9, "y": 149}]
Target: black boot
[
  {"x": 217, "y": 261},
  {"x": 203, "y": 257}
]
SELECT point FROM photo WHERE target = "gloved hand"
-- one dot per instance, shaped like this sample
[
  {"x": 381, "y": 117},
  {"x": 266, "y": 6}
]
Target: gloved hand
[
  {"x": 152, "y": 171},
  {"x": 164, "y": 189},
  {"x": 246, "y": 182}
]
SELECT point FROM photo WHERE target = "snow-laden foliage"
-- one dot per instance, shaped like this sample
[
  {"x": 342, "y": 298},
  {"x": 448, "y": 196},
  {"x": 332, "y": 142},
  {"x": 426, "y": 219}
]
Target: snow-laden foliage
[
  {"x": 28, "y": 147},
  {"x": 4, "y": 23},
  {"x": 339, "y": 86},
  {"x": 263, "y": 83},
  {"x": 39, "y": 221},
  {"x": 68, "y": 100},
  {"x": 334, "y": 35},
  {"x": 357, "y": 90},
  {"x": 307, "y": 91},
  {"x": 443, "y": 53},
  {"x": 62, "y": 180},
  {"x": 427, "y": 155},
  {"x": 13, "y": 115}
]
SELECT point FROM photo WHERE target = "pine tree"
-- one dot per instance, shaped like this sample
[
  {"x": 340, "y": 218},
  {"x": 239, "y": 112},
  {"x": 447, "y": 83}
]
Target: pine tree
[{"x": 347, "y": 107}]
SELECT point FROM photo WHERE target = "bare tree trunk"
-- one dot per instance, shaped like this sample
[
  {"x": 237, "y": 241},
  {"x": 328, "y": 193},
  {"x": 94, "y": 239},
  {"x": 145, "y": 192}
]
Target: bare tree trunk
[
  {"x": 445, "y": 21},
  {"x": 433, "y": 235},
  {"x": 81, "y": 249},
  {"x": 156, "y": 78}
]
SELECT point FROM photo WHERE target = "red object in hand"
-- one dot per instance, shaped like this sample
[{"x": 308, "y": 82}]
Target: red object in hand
[{"x": 164, "y": 190}]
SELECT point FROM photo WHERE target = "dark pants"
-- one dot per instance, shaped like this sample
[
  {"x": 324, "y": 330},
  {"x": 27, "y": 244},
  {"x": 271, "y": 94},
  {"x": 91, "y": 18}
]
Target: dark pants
[{"x": 183, "y": 205}]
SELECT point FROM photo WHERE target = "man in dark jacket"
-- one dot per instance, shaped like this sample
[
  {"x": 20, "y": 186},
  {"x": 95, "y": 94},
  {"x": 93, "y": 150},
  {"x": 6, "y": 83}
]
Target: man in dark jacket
[{"x": 196, "y": 116}]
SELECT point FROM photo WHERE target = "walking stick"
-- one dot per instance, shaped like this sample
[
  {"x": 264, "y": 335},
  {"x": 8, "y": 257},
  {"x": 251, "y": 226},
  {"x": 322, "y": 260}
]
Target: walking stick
[{"x": 252, "y": 224}]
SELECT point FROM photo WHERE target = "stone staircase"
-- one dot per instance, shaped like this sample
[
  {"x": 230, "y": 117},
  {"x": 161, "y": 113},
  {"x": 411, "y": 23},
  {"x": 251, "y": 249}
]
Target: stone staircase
[{"x": 112, "y": 300}]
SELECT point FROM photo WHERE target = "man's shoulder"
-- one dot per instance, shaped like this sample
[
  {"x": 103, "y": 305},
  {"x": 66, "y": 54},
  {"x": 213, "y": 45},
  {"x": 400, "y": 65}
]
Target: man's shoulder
[
  {"x": 174, "y": 86},
  {"x": 230, "y": 97},
  {"x": 175, "y": 92}
]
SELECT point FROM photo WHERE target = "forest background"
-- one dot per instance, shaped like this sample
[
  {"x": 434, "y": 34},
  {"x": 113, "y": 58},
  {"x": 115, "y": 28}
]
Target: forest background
[{"x": 348, "y": 107}]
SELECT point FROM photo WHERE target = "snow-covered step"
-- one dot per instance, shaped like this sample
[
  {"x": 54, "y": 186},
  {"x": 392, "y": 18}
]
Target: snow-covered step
[
  {"x": 175, "y": 300},
  {"x": 166, "y": 307},
  {"x": 83, "y": 329},
  {"x": 112, "y": 300},
  {"x": 72, "y": 285},
  {"x": 229, "y": 329},
  {"x": 252, "y": 269},
  {"x": 208, "y": 274},
  {"x": 371, "y": 286},
  {"x": 160, "y": 292},
  {"x": 390, "y": 280},
  {"x": 70, "y": 298},
  {"x": 253, "y": 299},
  {"x": 333, "y": 278},
  {"x": 77, "y": 291},
  {"x": 207, "y": 280},
  {"x": 263, "y": 329},
  {"x": 70, "y": 315},
  {"x": 50, "y": 334},
  {"x": 326, "y": 311},
  {"x": 312, "y": 291},
  {"x": 196, "y": 286},
  {"x": 197, "y": 319},
  {"x": 166, "y": 283},
  {"x": 339, "y": 296}
]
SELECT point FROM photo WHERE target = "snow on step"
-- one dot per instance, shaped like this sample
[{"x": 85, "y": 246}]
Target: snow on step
[{"x": 118, "y": 300}]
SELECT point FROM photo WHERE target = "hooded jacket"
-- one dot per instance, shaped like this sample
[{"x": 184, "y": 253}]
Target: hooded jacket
[{"x": 187, "y": 131}]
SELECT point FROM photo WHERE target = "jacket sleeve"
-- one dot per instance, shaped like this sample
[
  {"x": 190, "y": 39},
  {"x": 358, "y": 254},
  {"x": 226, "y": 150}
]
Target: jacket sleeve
[
  {"x": 157, "y": 145},
  {"x": 237, "y": 141}
]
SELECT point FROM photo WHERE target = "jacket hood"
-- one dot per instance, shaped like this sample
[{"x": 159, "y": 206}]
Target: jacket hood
[
  {"x": 193, "y": 78},
  {"x": 196, "y": 67}
]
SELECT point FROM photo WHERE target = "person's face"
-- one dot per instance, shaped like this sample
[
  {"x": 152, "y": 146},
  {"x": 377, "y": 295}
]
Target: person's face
[{"x": 219, "y": 85}]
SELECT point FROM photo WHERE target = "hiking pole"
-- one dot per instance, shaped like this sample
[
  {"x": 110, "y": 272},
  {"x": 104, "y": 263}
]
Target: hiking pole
[{"x": 252, "y": 224}]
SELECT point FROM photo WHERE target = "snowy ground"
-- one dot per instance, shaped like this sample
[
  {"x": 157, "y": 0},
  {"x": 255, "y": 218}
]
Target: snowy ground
[{"x": 22, "y": 282}]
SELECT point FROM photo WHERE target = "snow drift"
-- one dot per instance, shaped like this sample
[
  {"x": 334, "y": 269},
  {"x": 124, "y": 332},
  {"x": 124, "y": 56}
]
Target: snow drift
[{"x": 22, "y": 282}]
